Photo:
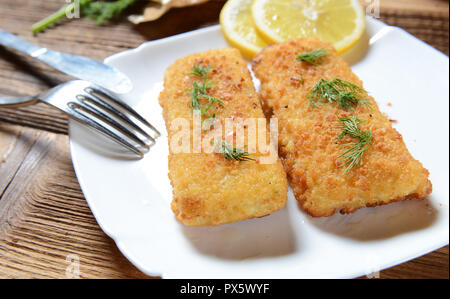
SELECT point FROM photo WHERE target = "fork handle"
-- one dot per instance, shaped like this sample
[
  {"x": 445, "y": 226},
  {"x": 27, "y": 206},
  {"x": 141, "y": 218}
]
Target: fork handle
[{"x": 17, "y": 102}]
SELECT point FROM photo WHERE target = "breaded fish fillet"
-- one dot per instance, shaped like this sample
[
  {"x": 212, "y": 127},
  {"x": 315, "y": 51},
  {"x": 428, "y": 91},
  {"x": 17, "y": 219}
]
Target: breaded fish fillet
[
  {"x": 207, "y": 188},
  {"x": 307, "y": 137}
]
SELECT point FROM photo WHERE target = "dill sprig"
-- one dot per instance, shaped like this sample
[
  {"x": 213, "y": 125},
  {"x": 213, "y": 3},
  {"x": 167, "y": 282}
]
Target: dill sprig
[
  {"x": 200, "y": 90},
  {"x": 344, "y": 93},
  {"x": 100, "y": 11},
  {"x": 232, "y": 153},
  {"x": 200, "y": 71},
  {"x": 313, "y": 57},
  {"x": 350, "y": 127}
]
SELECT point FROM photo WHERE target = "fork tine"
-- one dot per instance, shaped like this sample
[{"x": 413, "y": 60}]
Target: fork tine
[
  {"x": 74, "y": 107},
  {"x": 98, "y": 102},
  {"x": 86, "y": 107},
  {"x": 98, "y": 92}
]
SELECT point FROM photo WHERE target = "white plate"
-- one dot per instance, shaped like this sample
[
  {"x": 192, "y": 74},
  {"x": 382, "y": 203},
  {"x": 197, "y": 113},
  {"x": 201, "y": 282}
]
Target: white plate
[{"x": 130, "y": 199}]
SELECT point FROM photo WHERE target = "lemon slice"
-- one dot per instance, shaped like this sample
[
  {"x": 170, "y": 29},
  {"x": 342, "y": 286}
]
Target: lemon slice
[
  {"x": 237, "y": 26},
  {"x": 340, "y": 22}
]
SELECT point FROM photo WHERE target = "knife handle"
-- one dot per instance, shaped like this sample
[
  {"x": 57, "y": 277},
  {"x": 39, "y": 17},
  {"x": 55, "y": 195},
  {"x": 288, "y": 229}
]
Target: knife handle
[
  {"x": 80, "y": 67},
  {"x": 12, "y": 41}
]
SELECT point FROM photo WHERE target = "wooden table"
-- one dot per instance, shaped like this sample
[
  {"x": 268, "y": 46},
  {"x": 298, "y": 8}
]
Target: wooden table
[{"x": 44, "y": 217}]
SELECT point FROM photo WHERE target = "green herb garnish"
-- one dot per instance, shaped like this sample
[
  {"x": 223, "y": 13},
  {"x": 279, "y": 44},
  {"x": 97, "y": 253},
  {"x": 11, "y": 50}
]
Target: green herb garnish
[
  {"x": 313, "y": 57},
  {"x": 200, "y": 71},
  {"x": 100, "y": 11},
  {"x": 344, "y": 93},
  {"x": 232, "y": 153},
  {"x": 200, "y": 90},
  {"x": 350, "y": 127}
]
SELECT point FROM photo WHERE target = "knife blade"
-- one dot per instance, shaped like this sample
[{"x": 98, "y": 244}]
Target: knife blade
[{"x": 76, "y": 66}]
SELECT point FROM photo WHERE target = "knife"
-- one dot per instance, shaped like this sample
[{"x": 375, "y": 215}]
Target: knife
[{"x": 76, "y": 66}]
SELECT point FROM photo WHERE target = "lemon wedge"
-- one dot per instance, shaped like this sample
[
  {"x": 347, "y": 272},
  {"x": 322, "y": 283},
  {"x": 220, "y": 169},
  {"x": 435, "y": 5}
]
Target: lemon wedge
[
  {"x": 340, "y": 22},
  {"x": 237, "y": 26}
]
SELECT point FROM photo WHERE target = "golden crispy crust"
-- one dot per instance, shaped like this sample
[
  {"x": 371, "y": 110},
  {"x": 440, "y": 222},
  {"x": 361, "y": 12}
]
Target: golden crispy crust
[
  {"x": 308, "y": 144},
  {"x": 207, "y": 188}
]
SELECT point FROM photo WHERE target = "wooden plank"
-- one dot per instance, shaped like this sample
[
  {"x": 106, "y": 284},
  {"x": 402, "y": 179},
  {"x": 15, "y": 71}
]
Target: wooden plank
[
  {"x": 427, "y": 20},
  {"x": 8, "y": 140},
  {"x": 418, "y": 6},
  {"x": 433, "y": 265},
  {"x": 39, "y": 116},
  {"x": 15, "y": 143},
  {"x": 44, "y": 218}
]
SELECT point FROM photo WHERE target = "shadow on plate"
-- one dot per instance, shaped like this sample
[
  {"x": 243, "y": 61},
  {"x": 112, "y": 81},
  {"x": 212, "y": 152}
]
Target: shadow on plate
[
  {"x": 358, "y": 51},
  {"x": 99, "y": 144},
  {"x": 269, "y": 236},
  {"x": 370, "y": 224}
]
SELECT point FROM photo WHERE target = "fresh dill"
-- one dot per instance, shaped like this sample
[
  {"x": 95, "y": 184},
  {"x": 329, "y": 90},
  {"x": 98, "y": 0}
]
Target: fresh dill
[
  {"x": 232, "y": 153},
  {"x": 99, "y": 11},
  {"x": 344, "y": 93},
  {"x": 313, "y": 57},
  {"x": 200, "y": 71},
  {"x": 350, "y": 127},
  {"x": 200, "y": 89}
]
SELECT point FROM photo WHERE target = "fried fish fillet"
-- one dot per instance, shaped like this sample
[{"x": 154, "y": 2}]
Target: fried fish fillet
[
  {"x": 207, "y": 188},
  {"x": 307, "y": 137}
]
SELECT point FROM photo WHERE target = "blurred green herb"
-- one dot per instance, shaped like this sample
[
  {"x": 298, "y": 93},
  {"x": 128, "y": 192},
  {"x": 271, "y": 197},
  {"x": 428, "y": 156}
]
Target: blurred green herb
[
  {"x": 100, "y": 11},
  {"x": 200, "y": 71},
  {"x": 313, "y": 57},
  {"x": 200, "y": 90}
]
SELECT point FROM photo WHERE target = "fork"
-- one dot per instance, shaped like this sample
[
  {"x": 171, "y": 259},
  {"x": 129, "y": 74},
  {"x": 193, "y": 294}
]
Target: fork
[{"x": 98, "y": 109}]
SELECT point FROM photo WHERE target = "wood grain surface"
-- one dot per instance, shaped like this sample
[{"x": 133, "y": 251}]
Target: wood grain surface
[{"x": 44, "y": 218}]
